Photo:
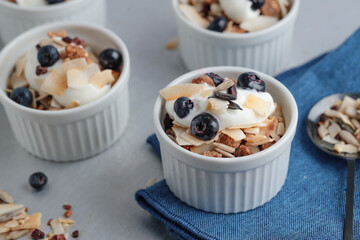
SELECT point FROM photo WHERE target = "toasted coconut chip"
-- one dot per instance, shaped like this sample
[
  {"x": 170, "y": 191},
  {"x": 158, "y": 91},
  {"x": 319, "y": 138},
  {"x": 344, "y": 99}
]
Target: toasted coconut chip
[
  {"x": 274, "y": 136},
  {"x": 57, "y": 226},
  {"x": 271, "y": 127},
  {"x": 280, "y": 129},
  {"x": 217, "y": 105},
  {"x": 229, "y": 26},
  {"x": 51, "y": 42},
  {"x": 11, "y": 224},
  {"x": 329, "y": 139},
  {"x": 16, "y": 234},
  {"x": 5, "y": 196},
  {"x": 347, "y": 148},
  {"x": 254, "y": 149},
  {"x": 255, "y": 138},
  {"x": 255, "y": 130},
  {"x": 224, "y": 85},
  {"x": 182, "y": 90},
  {"x": 34, "y": 221},
  {"x": 8, "y": 211},
  {"x": 267, "y": 140},
  {"x": 349, "y": 138},
  {"x": 178, "y": 131},
  {"x": 334, "y": 129},
  {"x": 41, "y": 97},
  {"x": 56, "y": 82},
  {"x": 101, "y": 79},
  {"x": 172, "y": 44},
  {"x": 76, "y": 78},
  {"x": 73, "y": 104},
  {"x": 284, "y": 4},
  {"x": 249, "y": 125},
  {"x": 259, "y": 23},
  {"x": 194, "y": 141},
  {"x": 193, "y": 15},
  {"x": 235, "y": 134},
  {"x": 55, "y": 104},
  {"x": 224, "y": 153},
  {"x": 347, "y": 102},
  {"x": 259, "y": 105},
  {"x": 17, "y": 81},
  {"x": 356, "y": 123},
  {"x": 224, "y": 147},
  {"x": 202, "y": 148},
  {"x": 20, "y": 66},
  {"x": 351, "y": 111},
  {"x": 337, "y": 114},
  {"x": 60, "y": 34},
  {"x": 21, "y": 216}
]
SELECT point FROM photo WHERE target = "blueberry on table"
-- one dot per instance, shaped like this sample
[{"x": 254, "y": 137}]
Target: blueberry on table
[
  {"x": 54, "y": 1},
  {"x": 38, "y": 180},
  {"x": 110, "y": 59},
  {"x": 22, "y": 96},
  {"x": 216, "y": 78},
  {"x": 47, "y": 56},
  {"x": 182, "y": 106},
  {"x": 218, "y": 24},
  {"x": 204, "y": 126},
  {"x": 250, "y": 80},
  {"x": 257, "y": 4}
]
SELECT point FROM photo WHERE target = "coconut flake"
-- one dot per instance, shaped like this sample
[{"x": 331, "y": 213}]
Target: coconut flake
[{"x": 259, "y": 23}]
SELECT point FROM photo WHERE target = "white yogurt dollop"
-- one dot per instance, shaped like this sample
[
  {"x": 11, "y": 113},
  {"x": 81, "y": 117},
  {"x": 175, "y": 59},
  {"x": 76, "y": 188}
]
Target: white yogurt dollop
[
  {"x": 239, "y": 10},
  {"x": 231, "y": 117},
  {"x": 82, "y": 96}
]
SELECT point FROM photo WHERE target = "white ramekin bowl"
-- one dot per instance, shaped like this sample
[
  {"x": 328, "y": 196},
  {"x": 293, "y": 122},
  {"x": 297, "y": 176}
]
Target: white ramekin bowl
[
  {"x": 72, "y": 134},
  {"x": 266, "y": 50},
  {"x": 228, "y": 185},
  {"x": 15, "y": 19}
]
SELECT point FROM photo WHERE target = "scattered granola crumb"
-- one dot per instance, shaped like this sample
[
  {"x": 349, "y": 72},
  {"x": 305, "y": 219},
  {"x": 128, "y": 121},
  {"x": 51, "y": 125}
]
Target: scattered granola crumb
[
  {"x": 204, "y": 79},
  {"x": 68, "y": 213},
  {"x": 67, "y": 206},
  {"x": 37, "y": 234},
  {"x": 75, "y": 234},
  {"x": 212, "y": 154},
  {"x": 172, "y": 44}
]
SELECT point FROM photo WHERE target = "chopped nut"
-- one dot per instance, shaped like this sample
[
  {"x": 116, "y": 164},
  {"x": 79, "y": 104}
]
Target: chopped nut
[
  {"x": 172, "y": 44},
  {"x": 61, "y": 34},
  {"x": 74, "y": 52},
  {"x": 37, "y": 234},
  {"x": 75, "y": 234},
  {"x": 67, "y": 206},
  {"x": 68, "y": 213},
  {"x": 243, "y": 151},
  {"x": 212, "y": 154},
  {"x": 204, "y": 79}
]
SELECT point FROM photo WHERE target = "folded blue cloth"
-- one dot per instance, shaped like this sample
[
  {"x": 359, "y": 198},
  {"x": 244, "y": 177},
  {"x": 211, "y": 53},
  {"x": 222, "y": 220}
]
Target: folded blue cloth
[{"x": 311, "y": 205}]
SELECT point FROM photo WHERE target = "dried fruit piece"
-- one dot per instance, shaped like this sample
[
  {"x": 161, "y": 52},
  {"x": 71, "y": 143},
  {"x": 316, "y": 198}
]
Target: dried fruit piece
[
  {"x": 37, "y": 234},
  {"x": 68, "y": 213},
  {"x": 75, "y": 234},
  {"x": 67, "y": 206}
]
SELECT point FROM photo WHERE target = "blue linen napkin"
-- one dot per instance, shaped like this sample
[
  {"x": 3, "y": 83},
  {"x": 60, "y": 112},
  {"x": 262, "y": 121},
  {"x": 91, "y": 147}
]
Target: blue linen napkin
[{"x": 311, "y": 205}]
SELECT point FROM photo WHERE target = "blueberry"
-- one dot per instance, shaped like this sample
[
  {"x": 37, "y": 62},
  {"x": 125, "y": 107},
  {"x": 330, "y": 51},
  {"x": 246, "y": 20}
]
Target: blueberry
[
  {"x": 250, "y": 80},
  {"x": 38, "y": 180},
  {"x": 204, "y": 126},
  {"x": 257, "y": 4},
  {"x": 216, "y": 78},
  {"x": 218, "y": 24},
  {"x": 182, "y": 106},
  {"x": 110, "y": 59},
  {"x": 54, "y": 1},
  {"x": 22, "y": 96},
  {"x": 47, "y": 56}
]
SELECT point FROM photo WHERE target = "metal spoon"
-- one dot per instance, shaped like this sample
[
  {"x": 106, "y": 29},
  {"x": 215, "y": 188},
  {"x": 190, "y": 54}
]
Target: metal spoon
[{"x": 311, "y": 127}]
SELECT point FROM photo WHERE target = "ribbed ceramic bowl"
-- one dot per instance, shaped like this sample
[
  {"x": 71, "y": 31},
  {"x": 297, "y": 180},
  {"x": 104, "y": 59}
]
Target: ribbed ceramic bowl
[
  {"x": 15, "y": 19},
  {"x": 266, "y": 50},
  {"x": 228, "y": 185},
  {"x": 71, "y": 134}
]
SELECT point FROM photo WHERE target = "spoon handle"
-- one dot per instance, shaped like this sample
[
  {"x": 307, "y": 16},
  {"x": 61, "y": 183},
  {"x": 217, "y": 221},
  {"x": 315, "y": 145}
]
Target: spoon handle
[{"x": 349, "y": 209}]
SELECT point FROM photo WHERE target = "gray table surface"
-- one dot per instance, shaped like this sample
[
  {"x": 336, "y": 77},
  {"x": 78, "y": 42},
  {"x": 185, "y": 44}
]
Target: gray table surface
[{"x": 101, "y": 189}]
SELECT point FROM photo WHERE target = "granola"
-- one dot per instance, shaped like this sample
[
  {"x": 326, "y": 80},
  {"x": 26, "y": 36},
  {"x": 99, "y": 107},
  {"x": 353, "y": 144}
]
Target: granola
[
  {"x": 234, "y": 16},
  {"x": 222, "y": 118},
  {"x": 61, "y": 72}
]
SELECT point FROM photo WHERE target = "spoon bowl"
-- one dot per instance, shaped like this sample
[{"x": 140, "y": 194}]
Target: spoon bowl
[{"x": 311, "y": 128}]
